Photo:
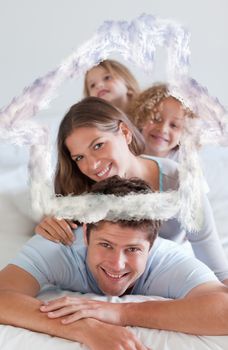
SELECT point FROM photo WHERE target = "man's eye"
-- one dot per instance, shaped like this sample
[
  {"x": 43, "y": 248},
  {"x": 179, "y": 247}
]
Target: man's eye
[
  {"x": 78, "y": 158},
  {"x": 133, "y": 249},
  {"x": 98, "y": 145},
  {"x": 105, "y": 245}
]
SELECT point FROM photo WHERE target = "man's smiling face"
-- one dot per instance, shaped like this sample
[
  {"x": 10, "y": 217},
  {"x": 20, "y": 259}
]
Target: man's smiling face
[{"x": 117, "y": 256}]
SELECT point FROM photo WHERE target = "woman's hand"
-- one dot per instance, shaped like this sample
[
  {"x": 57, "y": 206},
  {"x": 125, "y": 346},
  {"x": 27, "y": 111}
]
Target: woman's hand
[
  {"x": 72, "y": 309},
  {"x": 59, "y": 231}
]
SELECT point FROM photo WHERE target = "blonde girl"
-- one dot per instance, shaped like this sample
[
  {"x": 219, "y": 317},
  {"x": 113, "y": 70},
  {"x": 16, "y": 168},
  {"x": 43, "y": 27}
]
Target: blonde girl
[
  {"x": 160, "y": 117},
  {"x": 113, "y": 82}
]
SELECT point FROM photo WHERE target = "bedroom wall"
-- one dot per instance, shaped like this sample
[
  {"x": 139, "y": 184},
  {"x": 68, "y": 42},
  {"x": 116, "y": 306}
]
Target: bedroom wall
[{"x": 36, "y": 36}]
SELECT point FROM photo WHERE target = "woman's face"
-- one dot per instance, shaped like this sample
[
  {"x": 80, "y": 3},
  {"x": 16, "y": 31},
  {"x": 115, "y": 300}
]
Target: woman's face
[{"x": 100, "y": 154}]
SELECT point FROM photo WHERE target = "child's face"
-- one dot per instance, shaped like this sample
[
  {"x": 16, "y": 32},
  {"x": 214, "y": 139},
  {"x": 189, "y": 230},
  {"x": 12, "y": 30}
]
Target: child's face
[
  {"x": 163, "y": 133},
  {"x": 103, "y": 84}
]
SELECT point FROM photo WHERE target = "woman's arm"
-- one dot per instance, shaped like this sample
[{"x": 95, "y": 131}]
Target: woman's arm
[
  {"x": 207, "y": 246},
  {"x": 205, "y": 243},
  {"x": 58, "y": 231}
]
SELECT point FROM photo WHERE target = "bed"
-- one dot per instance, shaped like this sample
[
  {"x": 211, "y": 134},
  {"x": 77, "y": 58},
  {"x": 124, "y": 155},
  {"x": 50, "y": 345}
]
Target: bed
[
  {"x": 16, "y": 338},
  {"x": 17, "y": 224}
]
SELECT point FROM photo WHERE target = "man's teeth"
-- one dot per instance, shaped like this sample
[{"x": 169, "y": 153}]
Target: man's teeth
[
  {"x": 103, "y": 172},
  {"x": 113, "y": 275}
]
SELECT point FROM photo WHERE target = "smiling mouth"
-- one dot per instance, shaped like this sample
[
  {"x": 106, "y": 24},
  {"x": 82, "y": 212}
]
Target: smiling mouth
[
  {"x": 114, "y": 276},
  {"x": 159, "y": 138},
  {"x": 104, "y": 172}
]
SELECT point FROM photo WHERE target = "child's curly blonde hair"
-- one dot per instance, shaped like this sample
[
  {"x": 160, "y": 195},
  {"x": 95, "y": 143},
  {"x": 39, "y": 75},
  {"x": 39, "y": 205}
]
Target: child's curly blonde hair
[{"x": 144, "y": 107}]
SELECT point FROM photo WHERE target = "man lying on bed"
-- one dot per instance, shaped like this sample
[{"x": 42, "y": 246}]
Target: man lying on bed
[{"x": 120, "y": 258}]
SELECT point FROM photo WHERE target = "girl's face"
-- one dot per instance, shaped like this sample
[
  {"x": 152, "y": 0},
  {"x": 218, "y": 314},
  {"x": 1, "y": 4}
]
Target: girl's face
[
  {"x": 162, "y": 134},
  {"x": 103, "y": 84},
  {"x": 100, "y": 154}
]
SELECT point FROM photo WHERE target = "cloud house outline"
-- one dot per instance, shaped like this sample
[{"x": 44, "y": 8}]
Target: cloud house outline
[{"x": 136, "y": 42}]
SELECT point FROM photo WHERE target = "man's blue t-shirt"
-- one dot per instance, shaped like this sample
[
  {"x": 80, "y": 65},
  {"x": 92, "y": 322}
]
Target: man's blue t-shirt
[{"x": 169, "y": 273}]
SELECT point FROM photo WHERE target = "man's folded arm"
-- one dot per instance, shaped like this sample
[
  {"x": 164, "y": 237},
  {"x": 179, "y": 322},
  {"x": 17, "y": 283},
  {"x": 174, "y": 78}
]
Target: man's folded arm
[
  {"x": 204, "y": 311},
  {"x": 13, "y": 278},
  {"x": 20, "y": 308}
]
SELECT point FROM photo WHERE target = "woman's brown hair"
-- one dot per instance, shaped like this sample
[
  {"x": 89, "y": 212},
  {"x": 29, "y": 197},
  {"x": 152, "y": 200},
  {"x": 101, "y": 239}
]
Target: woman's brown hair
[{"x": 89, "y": 112}]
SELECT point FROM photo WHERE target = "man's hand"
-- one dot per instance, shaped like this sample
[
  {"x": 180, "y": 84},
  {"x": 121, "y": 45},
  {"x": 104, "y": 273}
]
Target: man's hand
[
  {"x": 103, "y": 336},
  {"x": 77, "y": 308}
]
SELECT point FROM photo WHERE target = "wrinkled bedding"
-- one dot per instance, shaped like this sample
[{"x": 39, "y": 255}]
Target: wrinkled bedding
[{"x": 20, "y": 339}]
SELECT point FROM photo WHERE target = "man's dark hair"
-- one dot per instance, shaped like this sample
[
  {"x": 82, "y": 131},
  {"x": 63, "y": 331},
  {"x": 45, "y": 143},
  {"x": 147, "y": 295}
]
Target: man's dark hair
[{"x": 122, "y": 187}]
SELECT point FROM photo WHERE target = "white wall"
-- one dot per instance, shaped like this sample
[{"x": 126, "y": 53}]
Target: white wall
[{"x": 35, "y": 36}]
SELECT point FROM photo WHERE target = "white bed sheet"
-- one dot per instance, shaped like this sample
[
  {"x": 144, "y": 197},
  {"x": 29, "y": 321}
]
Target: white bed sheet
[{"x": 12, "y": 338}]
